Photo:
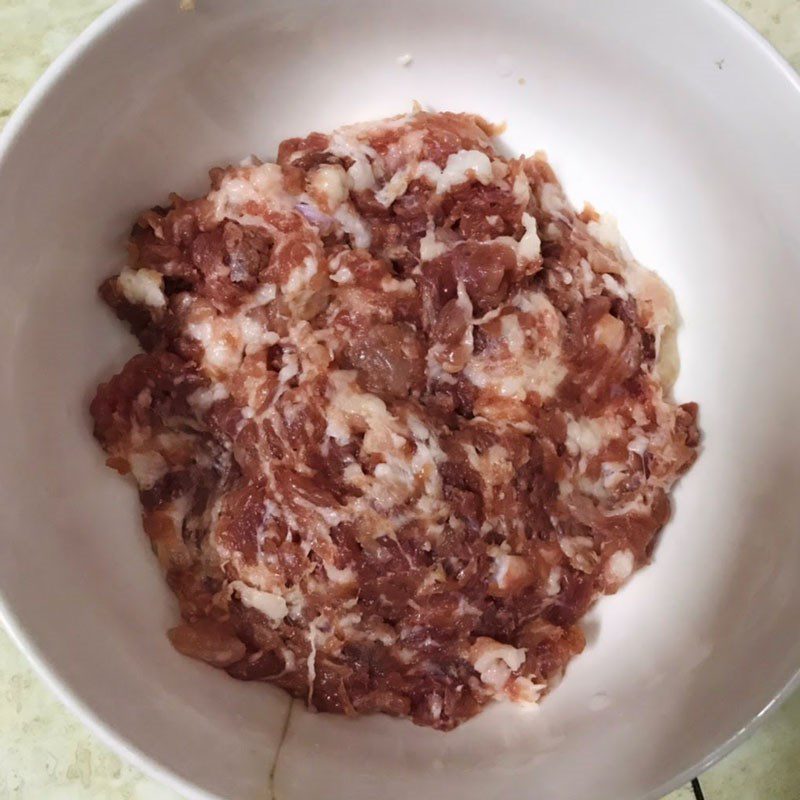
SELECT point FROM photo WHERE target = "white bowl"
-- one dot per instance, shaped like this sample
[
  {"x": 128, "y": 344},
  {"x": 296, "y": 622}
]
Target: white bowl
[{"x": 672, "y": 115}]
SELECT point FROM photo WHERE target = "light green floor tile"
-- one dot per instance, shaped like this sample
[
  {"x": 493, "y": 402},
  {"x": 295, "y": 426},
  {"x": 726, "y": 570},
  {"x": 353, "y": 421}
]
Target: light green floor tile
[
  {"x": 32, "y": 34},
  {"x": 779, "y": 21},
  {"x": 766, "y": 767},
  {"x": 46, "y": 754},
  {"x": 684, "y": 793}
]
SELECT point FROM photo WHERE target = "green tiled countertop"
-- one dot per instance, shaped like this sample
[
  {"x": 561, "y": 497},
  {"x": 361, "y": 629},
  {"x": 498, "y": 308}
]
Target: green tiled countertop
[{"x": 47, "y": 754}]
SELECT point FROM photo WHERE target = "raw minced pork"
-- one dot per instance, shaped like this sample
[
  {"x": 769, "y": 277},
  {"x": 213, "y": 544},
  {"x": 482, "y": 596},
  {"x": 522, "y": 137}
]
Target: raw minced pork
[{"x": 402, "y": 415}]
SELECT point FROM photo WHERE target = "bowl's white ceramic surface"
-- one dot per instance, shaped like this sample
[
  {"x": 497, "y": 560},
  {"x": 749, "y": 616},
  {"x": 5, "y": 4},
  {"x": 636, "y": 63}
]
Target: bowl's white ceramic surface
[{"x": 668, "y": 113}]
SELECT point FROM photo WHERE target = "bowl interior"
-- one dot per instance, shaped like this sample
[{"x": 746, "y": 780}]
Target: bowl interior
[{"x": 700, "y": 162}]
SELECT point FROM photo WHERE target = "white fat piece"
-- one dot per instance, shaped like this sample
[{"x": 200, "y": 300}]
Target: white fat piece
[
  {"x": 587, "y": 435},
  {"x": 202, "y": 399},
  {"x": 619, "y": 567},
  {"x": 529, "y": 247},
  {"x": 523, "y": 370},
  {"x": 345, "y": 143},
  {"x": 147, "y": 468},
  {"x": 521, "y": 189},
  {"x": 220, "y": 353},
  {"x": 396, "y": 187},
  {"x": 462, "y": 166},
  {"x": 495, "y": 662},
  {"x": 353, "y": 224},
  {"x": 261, "y": 185},
  {"x": 142, "y": 287},
  {"x": 429, "y": 247},
  {"x": 271, "y": 605},
  {"x": 300, "y": 276},
  {"x": 329, "y": 183}
]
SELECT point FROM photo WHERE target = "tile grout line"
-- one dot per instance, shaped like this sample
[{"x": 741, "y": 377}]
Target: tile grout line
[{"x": 697, "y": 789}]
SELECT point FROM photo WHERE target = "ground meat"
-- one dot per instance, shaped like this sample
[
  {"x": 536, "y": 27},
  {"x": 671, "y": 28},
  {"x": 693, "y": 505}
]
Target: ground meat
[{"x": 403, "y": 415}]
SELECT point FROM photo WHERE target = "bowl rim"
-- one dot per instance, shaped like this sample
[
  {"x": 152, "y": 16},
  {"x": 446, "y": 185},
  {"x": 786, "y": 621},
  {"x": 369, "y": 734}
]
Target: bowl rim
[{"x": 48, "y": 673}]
